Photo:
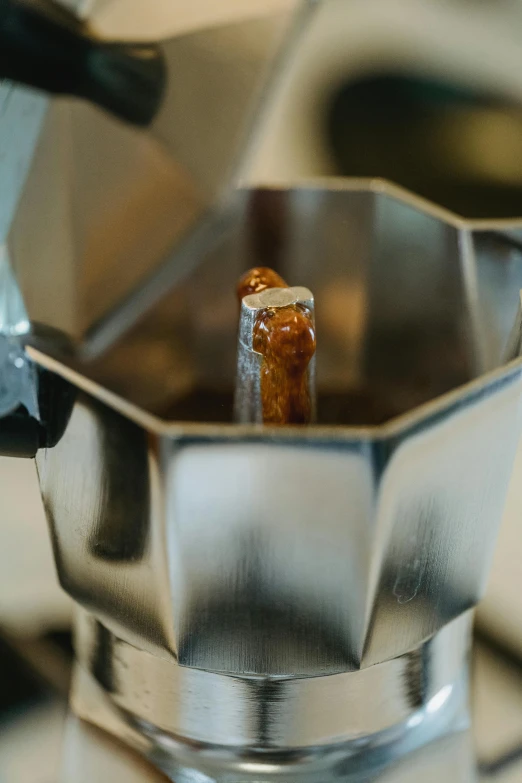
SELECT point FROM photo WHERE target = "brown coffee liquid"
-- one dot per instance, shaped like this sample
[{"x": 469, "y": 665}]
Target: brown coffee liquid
[
  {"x": 285, "y": 336},
  {"x": 258, "y": 279}
]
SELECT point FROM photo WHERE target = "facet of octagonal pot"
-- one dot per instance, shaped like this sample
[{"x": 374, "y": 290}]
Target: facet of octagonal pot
[{"x": 300, "y": 551}]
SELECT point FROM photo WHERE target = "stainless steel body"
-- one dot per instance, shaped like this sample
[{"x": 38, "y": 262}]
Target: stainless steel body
[
  {"x": 494, "y": 739},
  {"x": 264, "y": 603},
  {"x": 125, "y": 202},
  {"x": 293, "y": 730},
  {"x": 248, "y": 408},
  {"x": 293, "y": 563}
]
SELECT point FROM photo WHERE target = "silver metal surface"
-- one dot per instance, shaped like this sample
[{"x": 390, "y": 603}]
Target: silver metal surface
[
  {"x": 13, "y": 315},
  {"x": 18, "y": 380},
  {"x": 294, "y": 555},
  {"x": 308, "y": 581},
  {"x": 261, "y": 567},
  {"x": 132, "y": 21},
  {"x": 496, "y": 697},
  {"x": 408, "y": 303},
  {"x": 194, "y": 721},
  {"x": 22, "y": 115},
  {"x": 107, "y": 214},
  {"x": 100, "y": 205},
  {"x": 247, "y": 393},
  {"x": 94, "y": 755}
]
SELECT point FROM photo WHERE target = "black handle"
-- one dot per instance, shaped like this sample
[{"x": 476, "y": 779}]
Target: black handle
[{"x": 43, "y": 46}]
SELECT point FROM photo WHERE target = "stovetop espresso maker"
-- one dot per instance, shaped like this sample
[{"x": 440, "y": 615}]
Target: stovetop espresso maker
[{"x": 265, "y": 601}]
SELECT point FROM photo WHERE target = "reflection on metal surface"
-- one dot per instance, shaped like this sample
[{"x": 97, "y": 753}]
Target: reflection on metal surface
[
  {"x": 114, "y": 541},
  {"x": 405, "y": 309},
  {"x": 275, "y": 713},
  {"x": 103, "y": 207},
  {"x": 401, "y": 705},
  {"x": 306, "y": 552},
  {"x": 495, "y": 696},
  {"x": 93, "y": 755},
  {"x": 449, "y": 144},
  {"x": 401, "y": 91}
]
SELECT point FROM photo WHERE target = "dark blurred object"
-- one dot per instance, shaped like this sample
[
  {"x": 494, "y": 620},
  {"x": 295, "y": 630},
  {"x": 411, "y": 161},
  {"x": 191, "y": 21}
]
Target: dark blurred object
[
  {"x": 45, "y": 47},
  {"x": 451, "y": 145},
  {"x": 20, "y": 686}
]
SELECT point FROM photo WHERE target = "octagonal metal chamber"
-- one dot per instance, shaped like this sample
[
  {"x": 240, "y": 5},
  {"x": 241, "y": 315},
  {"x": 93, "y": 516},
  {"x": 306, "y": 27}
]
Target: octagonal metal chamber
[
  {"x": 261, "y": 556},
  {"x": 301, "y": 551},
  {"x": 242, "y": 583}
]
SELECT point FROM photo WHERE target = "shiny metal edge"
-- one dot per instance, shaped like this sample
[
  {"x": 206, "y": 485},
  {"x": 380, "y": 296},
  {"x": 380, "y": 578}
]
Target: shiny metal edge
[
  {"x": 239, "y": 712},
  {"x": 463, "y": 395}
]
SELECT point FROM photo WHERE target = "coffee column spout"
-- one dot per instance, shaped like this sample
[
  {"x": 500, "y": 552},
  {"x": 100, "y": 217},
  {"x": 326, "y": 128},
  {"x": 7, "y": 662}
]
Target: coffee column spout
[{"x": 276, "y": 358}]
